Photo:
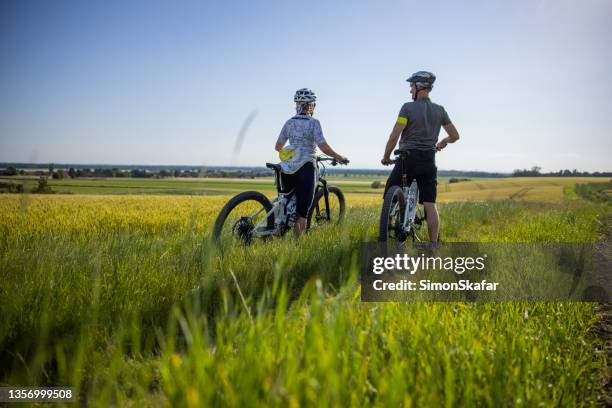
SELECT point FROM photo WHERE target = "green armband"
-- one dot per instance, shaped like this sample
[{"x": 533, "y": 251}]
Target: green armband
[{"x": 402, "y": 121}]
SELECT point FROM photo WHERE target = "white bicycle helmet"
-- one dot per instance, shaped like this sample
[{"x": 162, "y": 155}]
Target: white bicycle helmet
[{"x": 304, "y": 95}]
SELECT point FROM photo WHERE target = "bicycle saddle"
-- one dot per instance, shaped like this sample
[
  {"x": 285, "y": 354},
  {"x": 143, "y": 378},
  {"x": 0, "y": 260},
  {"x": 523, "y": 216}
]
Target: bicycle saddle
[{"x": 273, "y": 166}]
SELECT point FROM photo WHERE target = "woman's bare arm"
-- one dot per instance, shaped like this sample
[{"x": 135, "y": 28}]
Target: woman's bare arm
[{"x": 325, "y": 148}]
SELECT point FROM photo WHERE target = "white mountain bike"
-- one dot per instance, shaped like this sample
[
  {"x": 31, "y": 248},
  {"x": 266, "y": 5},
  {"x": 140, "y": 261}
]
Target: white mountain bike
[
  {"x": 401, "y": 217},
  {"x": 251, "y": 215}
]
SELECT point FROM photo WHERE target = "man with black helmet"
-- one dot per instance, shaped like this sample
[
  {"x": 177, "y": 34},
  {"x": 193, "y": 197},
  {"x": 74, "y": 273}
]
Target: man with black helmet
[{"x": 419, "y": 124}]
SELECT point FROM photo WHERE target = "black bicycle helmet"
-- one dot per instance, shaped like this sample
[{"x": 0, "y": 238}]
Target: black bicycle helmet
[{"x": 422, "y": 79}]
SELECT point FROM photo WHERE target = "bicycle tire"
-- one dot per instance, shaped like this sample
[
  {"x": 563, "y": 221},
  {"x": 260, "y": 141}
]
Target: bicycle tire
[
  {"x": 233, "y": 203},
  {"x": 392, "y": 196},
  {"x": 315, "y": 208}
]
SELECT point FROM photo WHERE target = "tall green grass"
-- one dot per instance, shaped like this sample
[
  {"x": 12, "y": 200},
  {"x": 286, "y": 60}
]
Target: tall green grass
[
  {"x": 596, "y": 192},
  {"x": 130, "y": 317}
]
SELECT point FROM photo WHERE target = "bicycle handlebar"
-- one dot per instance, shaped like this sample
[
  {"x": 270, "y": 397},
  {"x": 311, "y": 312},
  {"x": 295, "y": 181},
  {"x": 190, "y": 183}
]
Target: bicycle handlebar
[
  {"x": 398, "y": 154},
  {"x": 332, "y": 160}
]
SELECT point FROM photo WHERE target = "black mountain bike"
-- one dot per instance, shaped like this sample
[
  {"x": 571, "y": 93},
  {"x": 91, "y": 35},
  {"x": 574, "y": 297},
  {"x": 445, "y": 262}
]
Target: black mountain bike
[
  {"x": 251, "y": 215},
  {"x": 401, "y": 217}
]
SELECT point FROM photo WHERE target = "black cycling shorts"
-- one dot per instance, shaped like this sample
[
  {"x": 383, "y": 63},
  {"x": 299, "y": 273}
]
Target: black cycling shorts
[
  {"x": 419, "y": 165},
  {"x": 303, "y": 181}
]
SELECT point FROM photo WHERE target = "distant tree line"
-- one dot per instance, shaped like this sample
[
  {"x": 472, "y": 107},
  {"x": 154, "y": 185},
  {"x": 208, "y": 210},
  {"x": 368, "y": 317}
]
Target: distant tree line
[
  {"x": 116, "y": 172},
  {"x": 62, "y": 171},
  {"x": 108, "y": 172},
  {"x": 145, "y": 171},
  {"x": 535, "y": 172},
  {"x": 11, "y": 171}
]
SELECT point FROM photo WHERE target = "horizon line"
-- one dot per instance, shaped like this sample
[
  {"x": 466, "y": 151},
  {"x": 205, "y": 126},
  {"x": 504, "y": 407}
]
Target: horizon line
[
  {"x": 3, "y": 164},
  {"x": 234, "y": 166}
]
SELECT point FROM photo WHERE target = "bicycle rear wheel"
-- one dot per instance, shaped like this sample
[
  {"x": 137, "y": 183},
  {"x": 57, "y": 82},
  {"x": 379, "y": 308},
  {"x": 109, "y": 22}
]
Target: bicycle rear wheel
[
  {"x": 392, "y": 216},
  {"x": 242, "y": 218}
]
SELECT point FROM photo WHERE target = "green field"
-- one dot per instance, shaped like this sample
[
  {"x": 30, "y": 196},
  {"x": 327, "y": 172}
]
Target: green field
[
  {"x": 119, "y": 294},
  {"x": 525, "y": 188}
]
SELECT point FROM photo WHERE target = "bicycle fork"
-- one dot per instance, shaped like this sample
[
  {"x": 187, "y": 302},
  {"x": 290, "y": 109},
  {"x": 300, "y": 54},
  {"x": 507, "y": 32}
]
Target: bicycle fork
[{"x": 412, "y": 199}]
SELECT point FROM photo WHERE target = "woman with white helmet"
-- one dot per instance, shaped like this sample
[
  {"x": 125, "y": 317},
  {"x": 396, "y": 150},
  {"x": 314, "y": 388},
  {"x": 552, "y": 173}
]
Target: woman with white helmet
[{"x": 298, "y": 159}]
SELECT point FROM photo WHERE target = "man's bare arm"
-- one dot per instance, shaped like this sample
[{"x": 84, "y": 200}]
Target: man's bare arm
[
  {"x": 453, "y": 136},
  {"x": 393, "y": 138},
  {"x": 279, "y": 146}
]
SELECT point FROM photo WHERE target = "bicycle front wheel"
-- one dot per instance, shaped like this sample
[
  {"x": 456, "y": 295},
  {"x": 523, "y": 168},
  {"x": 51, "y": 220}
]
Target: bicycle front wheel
[
  {"x": 392, "y": 215},
  {"x": 243, "y": 218},
  {"x": 332, "y": 213}
]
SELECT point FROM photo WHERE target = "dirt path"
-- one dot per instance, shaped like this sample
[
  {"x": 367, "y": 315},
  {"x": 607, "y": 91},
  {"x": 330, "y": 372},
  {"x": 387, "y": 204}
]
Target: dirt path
[{"x": 603, "y": 330}]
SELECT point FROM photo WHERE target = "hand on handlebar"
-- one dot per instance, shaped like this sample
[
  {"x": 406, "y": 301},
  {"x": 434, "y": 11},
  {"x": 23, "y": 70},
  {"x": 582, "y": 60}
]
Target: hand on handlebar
[
  {"x": 342, "y": 160},
  {"x": 387, "y": 161},
  {"x": 334, "y": 161}
]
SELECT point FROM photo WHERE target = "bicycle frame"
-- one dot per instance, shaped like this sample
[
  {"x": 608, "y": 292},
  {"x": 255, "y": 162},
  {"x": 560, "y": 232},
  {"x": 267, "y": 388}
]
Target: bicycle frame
[
  {"x": 278, "y": 211},
  {"x": 412, "y": 198},
  {"x": 411, "y": 195},
  {"x": 280, "y": 202}
]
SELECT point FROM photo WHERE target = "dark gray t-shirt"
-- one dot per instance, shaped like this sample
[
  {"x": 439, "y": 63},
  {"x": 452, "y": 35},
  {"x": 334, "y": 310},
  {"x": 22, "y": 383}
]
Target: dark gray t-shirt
[{"x": 423, "y": 120}]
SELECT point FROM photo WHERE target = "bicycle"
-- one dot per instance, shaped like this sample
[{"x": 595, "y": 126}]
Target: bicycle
[
  {"x": 251, "y": 214},
  {"x": 401, "y": 217}
]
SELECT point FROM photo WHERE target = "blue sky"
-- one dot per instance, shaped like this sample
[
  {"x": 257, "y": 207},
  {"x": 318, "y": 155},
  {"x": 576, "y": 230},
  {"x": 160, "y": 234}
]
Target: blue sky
[{"x": 525, "y": 82}]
